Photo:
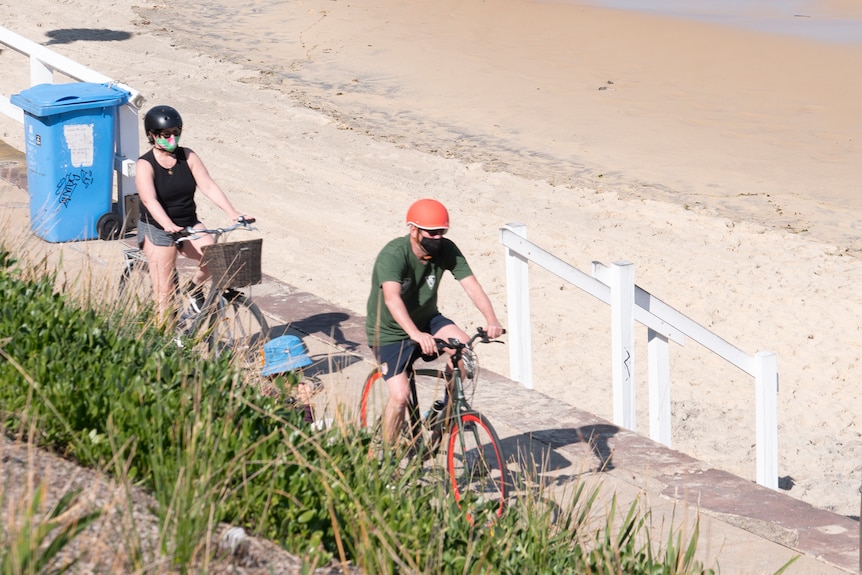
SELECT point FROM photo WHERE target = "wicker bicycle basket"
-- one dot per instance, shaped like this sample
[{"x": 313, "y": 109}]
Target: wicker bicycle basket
[{"x": 234, "y": 264}]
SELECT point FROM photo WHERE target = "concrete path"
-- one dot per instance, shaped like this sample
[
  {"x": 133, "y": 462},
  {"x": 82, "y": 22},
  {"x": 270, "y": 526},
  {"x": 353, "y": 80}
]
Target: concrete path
[{"x": 744, "y": 528}]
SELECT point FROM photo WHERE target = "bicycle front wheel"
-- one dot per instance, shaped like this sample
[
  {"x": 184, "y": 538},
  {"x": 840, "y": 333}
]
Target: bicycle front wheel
[
  {"x": 238, "y": 326},
  {"x": 476, "y": 467}
]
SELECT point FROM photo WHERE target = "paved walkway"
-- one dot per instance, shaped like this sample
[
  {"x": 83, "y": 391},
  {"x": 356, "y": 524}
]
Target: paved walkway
[{"x": 744, "y": 528}]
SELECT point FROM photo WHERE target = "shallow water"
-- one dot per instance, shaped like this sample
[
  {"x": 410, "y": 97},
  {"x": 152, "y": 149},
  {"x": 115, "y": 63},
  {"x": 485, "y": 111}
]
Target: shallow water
[{"x": 796, "y": 18}]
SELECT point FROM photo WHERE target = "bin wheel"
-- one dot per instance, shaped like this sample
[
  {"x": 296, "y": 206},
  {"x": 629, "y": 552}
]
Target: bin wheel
[{"x": 108, "y": 226}]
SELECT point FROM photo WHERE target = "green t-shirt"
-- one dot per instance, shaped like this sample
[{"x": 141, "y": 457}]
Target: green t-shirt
[{"x": 419, "y": 284}]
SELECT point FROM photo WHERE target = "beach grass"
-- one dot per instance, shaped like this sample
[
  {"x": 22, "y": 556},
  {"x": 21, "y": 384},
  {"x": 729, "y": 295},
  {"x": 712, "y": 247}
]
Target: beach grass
[{"x": 98, "y": 383}]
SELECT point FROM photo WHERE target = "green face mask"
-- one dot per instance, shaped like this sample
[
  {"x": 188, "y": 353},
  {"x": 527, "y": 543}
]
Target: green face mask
[{"x": 169, "y": 144}]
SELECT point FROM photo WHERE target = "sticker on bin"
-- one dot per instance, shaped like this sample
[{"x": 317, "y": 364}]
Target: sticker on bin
[{"x": 79, "y": 139}]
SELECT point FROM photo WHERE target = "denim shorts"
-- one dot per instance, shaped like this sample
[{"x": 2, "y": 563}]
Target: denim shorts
[
  {"x": 395, "y": 358},
  {"x": 156, "y": 235}
]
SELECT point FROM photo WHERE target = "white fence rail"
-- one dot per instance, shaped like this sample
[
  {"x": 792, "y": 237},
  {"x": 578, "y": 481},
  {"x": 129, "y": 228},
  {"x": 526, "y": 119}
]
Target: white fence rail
[
  {"x": 43, "y": 65},
  {"x": 615, "y": 286}
]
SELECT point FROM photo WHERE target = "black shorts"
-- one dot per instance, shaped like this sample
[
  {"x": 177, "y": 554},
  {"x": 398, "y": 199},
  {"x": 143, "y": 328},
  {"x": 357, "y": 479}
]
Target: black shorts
[{"x": 395, "y": 358}]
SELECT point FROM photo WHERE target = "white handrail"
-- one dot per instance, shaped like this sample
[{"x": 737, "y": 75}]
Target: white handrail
[
  {"x": 43, "y": 64},
  {"x": 615, "y": 286}
]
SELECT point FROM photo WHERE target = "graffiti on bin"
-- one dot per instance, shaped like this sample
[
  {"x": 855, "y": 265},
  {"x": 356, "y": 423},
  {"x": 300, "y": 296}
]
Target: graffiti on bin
[{"x": 70, "y": 182}]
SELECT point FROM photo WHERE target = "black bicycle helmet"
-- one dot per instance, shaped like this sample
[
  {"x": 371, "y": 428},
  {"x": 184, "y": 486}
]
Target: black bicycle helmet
[{"x": 162, "y": 118}]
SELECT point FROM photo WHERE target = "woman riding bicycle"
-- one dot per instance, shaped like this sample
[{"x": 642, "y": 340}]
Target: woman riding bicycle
[
  {"x": 403, "y": 318},
  {"x": 166, "y": 178}
]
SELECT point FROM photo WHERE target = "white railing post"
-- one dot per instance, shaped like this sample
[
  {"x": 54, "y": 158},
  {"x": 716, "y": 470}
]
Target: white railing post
[
  {"x": 766, "y": 393},
  {"x": 623, "y": 343},
  {"x": 518, "y": 303},
  {"x": 658, "y": 364},
  {"x": 40, "y": 73},
  {"x": 629, "y": 303}
]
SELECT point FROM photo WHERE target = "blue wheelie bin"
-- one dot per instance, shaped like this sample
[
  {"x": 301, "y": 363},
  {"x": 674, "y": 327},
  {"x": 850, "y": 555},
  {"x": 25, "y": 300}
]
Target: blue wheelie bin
[{"x": 69, "y": 134}]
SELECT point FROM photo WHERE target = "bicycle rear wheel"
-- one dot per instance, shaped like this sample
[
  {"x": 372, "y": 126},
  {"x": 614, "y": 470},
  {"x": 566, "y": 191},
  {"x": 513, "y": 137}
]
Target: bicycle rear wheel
[
  {"x": 237, "y": 325},
  {"x": 476, "y": 467},
  {"x": 134, "y": 287},
  {"x": 375, "y": 394},
  {"x": 413, "y": 439},
  {"x": 372, "y": 405}
]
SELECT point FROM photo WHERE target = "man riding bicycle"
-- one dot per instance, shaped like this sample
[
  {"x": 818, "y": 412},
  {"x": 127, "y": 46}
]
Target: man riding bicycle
[{"x": 403, "y": 319}]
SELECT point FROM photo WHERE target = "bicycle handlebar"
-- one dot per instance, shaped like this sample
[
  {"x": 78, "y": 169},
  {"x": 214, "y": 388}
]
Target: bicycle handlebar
[
  {"x": 191, "y": 233},
  {"x": 455, "y": 344}
]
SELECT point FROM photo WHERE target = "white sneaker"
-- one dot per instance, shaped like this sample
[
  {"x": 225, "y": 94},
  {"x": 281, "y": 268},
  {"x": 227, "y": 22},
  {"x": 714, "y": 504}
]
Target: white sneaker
[{"x": 196, "y": 303}]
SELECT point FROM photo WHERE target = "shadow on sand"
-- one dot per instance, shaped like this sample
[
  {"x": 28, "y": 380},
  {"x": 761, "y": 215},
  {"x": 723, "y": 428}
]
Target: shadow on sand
[{"x": 69, "y": 35}]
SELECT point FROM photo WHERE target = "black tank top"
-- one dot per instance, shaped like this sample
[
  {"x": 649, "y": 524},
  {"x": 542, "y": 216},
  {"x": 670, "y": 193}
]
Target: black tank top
[{"x": 175, "y": 190}]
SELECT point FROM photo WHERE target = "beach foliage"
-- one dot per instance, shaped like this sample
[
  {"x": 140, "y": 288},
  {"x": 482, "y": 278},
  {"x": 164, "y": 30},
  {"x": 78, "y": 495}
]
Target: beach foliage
[
  {"x": 111, "y": 390},
  {"x": 33, "y": 540}
]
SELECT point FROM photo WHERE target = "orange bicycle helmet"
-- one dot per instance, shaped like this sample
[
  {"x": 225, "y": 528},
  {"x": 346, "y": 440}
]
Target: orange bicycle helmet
[{"x": 428, "y": 215}]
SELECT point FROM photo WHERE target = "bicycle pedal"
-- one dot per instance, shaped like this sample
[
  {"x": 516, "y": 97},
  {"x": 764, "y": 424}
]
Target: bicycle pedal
[
  {"x": 430, "y": 452},
  {"x": 185, "y": 323},
  {"x": 186, "y": 319},
  {"x": 231, "y": 294},
  {"x": 196, "y": 300},
  {"x": 433, "y": 447}
]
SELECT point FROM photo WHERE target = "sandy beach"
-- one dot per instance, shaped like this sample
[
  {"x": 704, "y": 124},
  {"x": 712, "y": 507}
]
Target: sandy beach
[{"x": 721, "y": 162}]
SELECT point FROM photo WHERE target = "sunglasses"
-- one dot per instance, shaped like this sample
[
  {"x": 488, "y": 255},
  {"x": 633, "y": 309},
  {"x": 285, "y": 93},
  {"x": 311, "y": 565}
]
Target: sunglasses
[
  {"x": 168, "y": 133},
  {"x": 434, "y": 233}
]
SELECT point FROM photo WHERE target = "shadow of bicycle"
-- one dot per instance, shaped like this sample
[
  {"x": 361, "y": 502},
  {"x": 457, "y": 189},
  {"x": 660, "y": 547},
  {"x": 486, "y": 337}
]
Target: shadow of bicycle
[
  {"x": 538, "y": 462},
  {"x": 327, "y": 363},
  {"x": 331, "y": 325}
]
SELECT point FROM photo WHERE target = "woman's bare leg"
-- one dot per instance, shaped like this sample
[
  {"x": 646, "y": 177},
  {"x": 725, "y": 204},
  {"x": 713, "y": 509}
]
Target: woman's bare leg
[{"x": 162, "y": 261}]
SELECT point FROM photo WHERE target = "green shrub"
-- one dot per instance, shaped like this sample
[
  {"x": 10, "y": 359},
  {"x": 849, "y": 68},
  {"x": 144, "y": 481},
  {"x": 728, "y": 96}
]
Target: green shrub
[{"x": 104, "y": 388}]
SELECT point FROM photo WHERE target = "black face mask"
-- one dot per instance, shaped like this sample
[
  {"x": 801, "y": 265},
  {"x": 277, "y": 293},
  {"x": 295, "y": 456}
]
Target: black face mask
[{"x": 431, "y": 245}]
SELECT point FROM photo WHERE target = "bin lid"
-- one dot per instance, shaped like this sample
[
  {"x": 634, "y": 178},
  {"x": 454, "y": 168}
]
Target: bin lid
[{"x": 50, "y": 99}]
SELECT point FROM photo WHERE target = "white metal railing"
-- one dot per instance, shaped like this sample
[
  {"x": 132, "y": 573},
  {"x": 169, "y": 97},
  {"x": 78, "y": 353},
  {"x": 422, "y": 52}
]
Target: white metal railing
[
  {"x": 615, "y": 286},
  {"x": 43, "y": 64}
]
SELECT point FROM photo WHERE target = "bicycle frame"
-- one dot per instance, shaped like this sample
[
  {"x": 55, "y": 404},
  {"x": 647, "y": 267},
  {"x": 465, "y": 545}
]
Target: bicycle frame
[
  {"x": 474, "y": 461},
  {"x": 457, "y": 403}
]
